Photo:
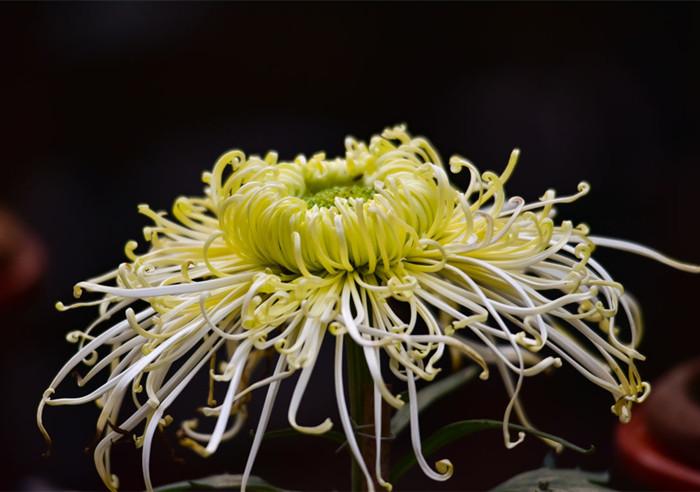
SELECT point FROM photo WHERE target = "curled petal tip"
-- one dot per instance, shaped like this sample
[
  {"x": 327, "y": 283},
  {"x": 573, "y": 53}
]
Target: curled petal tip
[{"x": 444, "y": 467}]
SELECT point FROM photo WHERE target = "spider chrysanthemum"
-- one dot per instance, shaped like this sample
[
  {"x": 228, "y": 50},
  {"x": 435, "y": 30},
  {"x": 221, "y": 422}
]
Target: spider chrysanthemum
[{"x": 375, "y": 249}]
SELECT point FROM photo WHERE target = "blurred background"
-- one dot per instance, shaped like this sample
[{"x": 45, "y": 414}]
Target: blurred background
[{"x": 105, "y": 106}]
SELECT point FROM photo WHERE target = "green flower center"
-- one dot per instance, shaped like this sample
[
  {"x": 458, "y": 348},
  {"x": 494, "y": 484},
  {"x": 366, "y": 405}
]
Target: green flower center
[{"x": 326, "y": 196}]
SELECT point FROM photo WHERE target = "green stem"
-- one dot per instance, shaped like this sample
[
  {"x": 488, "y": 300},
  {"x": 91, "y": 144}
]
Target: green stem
[{"x": 360, "y": 391}]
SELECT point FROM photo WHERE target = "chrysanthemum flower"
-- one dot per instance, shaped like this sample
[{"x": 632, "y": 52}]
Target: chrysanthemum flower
[{"x": 375, "y": 249}]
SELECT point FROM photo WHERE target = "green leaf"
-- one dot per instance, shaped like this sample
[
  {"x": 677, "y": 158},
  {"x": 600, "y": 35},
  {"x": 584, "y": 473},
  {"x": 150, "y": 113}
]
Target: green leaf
[
  {"x": 334, "y": 436},
  {"x": 458, "y": 430},
  {"x": 553, "y": 480},
  {"x": 430, "y": 394},
  {"x": 220, "y": 482}
]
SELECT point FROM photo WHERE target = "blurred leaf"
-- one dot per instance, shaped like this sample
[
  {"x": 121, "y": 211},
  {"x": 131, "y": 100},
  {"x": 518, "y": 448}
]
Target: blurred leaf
[
  {"x": 430, "y": 394},
  {"x": 334, "y": 436},
  {"x": 220, "y": 482},
  {"x": 457, "y": 430},
  {"x": 553, "y": 480}
]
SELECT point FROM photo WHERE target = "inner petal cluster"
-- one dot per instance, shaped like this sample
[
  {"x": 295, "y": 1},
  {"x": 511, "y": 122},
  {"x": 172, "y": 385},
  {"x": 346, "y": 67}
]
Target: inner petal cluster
[{"x": 369, "y": 210}]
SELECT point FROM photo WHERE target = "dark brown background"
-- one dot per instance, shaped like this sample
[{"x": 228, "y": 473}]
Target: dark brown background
[{"x": 107, "y": 105}]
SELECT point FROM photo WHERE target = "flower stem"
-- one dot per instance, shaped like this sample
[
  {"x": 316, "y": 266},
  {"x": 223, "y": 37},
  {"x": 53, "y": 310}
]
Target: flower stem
[{"x": 361, "y": 394}]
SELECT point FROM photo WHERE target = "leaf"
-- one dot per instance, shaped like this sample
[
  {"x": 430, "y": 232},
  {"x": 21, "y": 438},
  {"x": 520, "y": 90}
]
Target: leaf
[
  {"x": 220, "y": 482},
  {"x": 457, "y": 430},
  {"x": 553, "y": 480},
  {"x": 430, "y": 394},
  {"x": 334, "y": 436}
]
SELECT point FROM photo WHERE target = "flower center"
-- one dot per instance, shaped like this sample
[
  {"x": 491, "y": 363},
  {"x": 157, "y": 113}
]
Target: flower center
[{"x": 326, "y": 197}]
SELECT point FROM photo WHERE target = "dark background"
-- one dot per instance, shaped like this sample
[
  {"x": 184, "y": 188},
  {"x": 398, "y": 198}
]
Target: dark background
[{"x": 105, "y": 106}]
